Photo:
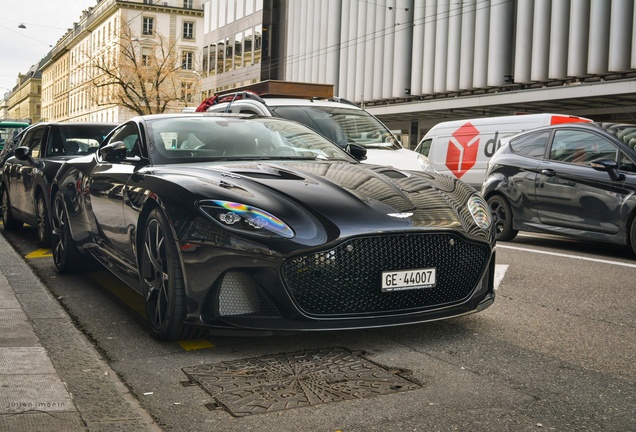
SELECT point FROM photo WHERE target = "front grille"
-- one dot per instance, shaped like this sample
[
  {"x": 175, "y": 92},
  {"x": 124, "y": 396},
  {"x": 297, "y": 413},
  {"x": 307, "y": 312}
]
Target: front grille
[{"x": 346, "y": 280}]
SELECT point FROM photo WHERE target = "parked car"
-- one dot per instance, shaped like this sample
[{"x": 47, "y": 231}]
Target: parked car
[
  {"x": 339, "y": 120},
  {"x": 27, "y": 174},
  {"x": 267, "y": 225},
  {"x": 575, "y": 179}
]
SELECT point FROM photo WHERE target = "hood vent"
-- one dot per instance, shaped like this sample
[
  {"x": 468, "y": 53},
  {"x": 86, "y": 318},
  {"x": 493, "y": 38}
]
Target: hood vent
[
  {"x": 270, "y": 174},
  {"x": 394, "y": 174}
]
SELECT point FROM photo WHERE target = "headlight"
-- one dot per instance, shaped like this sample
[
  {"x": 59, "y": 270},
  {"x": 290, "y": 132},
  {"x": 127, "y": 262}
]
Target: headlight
[
  {"x": 246, "y": 219},
  {"x": 480, "y": 211},
  {"x": 425, "y": 163}
]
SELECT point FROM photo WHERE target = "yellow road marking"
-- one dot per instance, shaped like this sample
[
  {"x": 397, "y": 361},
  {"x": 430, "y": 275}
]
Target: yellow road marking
[
  {"x": 40, "y": 253},
  {"x": 195, "y": 344}
]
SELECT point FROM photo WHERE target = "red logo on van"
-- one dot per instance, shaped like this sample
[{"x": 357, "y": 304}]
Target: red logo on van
[{"x": 462, "y": 150}]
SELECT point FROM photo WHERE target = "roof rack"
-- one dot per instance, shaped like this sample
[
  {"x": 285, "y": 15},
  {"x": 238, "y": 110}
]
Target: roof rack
[{"x": 289, "y": 89}]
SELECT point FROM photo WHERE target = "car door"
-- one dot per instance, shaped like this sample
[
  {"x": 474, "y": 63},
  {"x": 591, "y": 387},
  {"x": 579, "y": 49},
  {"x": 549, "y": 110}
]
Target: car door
[
  {"x": 572, "y": 194},
  {"x": 22, "y": 172},
  {"x": 107, "y": 193}
]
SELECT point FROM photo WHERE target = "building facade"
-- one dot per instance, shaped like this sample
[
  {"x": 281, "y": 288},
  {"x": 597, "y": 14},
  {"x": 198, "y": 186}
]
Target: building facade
[
  {"x": 115, "y": 40},
  {"x": 24, "y": 103},
  {"x": 414, "y": 63}
]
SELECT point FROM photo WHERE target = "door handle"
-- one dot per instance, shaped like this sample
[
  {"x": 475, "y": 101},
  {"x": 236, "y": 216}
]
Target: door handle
[{"x": 548, "y": 172}]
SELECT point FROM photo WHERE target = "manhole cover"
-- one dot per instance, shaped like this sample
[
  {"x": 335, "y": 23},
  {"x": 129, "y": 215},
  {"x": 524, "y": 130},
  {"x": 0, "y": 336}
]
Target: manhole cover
[{"x": 284, "y": 381}]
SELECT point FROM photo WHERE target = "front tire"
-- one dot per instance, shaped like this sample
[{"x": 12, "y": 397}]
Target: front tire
[
  {"x": 66, "y": 256},
  {"x": 8, "y": 221},
  {"x": 43, "y": 225},
  {"x": 162, "y": 278},
  {"x": 503, "y": 218}
]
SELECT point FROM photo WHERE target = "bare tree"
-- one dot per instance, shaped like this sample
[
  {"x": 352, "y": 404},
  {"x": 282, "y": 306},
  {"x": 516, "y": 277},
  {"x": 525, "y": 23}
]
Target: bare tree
[{"x": 147, "y": 76}]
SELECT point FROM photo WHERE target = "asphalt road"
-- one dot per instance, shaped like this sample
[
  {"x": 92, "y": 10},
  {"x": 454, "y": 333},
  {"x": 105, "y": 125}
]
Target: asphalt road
[{"x": 557, "y": 351}]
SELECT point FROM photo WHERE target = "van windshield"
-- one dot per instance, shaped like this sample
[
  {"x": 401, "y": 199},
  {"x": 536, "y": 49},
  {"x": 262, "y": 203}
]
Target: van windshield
[{"x": 342, "y": 125}]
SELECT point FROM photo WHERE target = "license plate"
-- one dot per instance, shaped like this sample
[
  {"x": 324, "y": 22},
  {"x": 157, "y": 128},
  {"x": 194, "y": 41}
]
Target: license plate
[{"x": 408, "y": 279}]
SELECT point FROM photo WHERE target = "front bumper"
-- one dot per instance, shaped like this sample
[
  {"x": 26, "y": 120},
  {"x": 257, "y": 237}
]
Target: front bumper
[{"x": 338, "y": 287}]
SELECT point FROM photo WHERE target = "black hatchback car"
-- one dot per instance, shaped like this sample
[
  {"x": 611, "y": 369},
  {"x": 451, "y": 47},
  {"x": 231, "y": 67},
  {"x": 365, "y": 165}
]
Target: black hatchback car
[
  {"x": 27, "y": 174},
  {"x": 577, "y": 180}
]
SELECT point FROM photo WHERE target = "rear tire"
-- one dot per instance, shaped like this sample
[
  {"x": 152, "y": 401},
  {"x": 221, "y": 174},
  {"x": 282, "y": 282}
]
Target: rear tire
[
  {"x": 66, "y": 256},
  {"x": 162, "y": 278},
  {"x": 9, "y": 222},
  {"x": 43, "y": 224},
  {"x": 503, "y": 218}
]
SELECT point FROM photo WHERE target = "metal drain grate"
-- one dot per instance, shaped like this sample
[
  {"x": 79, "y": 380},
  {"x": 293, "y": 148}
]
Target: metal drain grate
[{"x": 284, "y": 381}]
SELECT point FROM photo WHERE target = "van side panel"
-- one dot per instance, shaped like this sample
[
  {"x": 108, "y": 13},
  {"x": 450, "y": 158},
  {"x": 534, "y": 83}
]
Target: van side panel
[{"x": 462, "y": 148}]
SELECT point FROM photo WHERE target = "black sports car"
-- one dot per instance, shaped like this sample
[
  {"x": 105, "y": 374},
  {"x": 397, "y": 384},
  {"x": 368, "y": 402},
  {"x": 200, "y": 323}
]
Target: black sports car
[
  {"x": 574, "y": 179},
  {"x": 260, "y": 223}
]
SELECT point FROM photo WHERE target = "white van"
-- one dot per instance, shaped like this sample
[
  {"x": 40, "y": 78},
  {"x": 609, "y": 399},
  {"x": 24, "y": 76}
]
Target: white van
[{"x": 462, "y": 148}]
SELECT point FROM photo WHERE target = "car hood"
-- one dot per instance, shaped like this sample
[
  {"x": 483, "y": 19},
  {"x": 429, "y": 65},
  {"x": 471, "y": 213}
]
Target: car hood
[{"x": 348, "y": 198}]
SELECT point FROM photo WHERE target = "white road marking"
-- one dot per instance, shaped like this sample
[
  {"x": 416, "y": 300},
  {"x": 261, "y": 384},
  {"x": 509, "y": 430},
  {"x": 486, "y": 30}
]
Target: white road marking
[
  {"x": 500, "y": 271},
  {"x": 582, "y": 258}
]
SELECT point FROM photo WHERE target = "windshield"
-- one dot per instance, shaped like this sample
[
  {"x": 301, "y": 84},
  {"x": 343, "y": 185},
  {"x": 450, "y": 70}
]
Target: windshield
[
  {"x": 342, "y": 125},
  {"x": 207, "y": 138}
]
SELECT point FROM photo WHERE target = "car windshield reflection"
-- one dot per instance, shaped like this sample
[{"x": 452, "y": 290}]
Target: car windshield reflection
[{"x": 205, "y": 138}]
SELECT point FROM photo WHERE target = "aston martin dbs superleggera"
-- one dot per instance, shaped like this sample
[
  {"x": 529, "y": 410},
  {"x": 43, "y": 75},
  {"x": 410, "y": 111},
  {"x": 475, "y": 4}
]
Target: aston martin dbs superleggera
[{"x": 257, "y": 223}]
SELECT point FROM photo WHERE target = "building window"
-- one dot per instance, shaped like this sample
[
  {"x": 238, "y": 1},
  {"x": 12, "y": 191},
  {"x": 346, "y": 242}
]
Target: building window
[
  {"x": 145, "y": 56},
  {"x": 148, "y": 26},
  {"x": 188, "y": 30},
  {"x": 186, "y": 91},
  {"x": 187, "y": 60},
  {"x": 187, "y": 4}
]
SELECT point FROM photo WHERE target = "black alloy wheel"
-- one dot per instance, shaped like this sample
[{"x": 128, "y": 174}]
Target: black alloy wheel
[
  {"x": 43, "y": 224},
  {"x": 162, "y": 279},
  {"x": 66, "y": 256},
  {"x": 8, "y": 221},
  {"x": 503, "y": 218}
]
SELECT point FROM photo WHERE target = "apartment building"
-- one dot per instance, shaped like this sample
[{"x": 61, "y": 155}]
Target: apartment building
[{"x": 82, "y": 80}]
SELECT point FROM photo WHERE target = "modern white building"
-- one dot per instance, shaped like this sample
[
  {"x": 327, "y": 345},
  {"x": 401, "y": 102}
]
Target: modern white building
[{"x": 414, "y": 63}]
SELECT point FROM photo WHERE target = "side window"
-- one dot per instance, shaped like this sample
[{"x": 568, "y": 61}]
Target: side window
[
  {"x": 424, "y": 147},
  {"x": 626, "y": 164},
  {"x": 580, "y": 147},
  {"x": 531, "y": 144},
  {"x": 34, "y": 142},
  {"x": 129, "y": 134}
]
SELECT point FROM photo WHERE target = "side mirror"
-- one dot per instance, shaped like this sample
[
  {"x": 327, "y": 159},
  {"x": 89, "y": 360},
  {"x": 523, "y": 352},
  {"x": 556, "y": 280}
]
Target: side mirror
[
  {"x": 357, "y": 151},
  {"x": 610, "y": 167},
  {"x": 22, "y": 153},
  {"x": 114, "y": 152}
]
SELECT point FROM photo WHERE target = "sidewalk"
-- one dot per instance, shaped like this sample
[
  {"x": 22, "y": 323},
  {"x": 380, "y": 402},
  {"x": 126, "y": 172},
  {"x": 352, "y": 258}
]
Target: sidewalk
[{"x": 51, "y": 377}]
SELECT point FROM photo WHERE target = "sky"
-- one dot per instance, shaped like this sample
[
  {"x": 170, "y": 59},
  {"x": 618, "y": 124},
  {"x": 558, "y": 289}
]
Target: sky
[{"x": 46, "y": 22}]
